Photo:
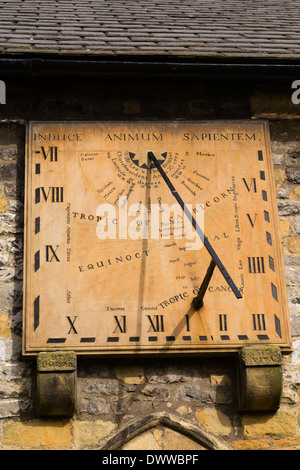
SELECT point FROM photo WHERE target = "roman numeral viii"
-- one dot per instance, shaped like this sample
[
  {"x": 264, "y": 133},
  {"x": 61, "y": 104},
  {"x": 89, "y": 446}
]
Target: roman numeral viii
[{"x": 51, "y": 194}]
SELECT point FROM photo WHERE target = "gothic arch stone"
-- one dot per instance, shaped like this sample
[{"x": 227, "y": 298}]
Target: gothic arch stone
[{"x": 196, "y": 433}]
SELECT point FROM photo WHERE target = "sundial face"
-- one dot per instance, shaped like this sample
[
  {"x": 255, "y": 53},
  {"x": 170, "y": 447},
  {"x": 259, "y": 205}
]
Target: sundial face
[{"x": 112, "y": 263}]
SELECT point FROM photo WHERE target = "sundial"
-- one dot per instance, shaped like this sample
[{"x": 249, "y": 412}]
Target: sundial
[{"x": 152, "y": 237}]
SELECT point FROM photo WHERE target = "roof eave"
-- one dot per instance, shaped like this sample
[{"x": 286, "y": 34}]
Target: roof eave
[{"x": 147, "y": 67}]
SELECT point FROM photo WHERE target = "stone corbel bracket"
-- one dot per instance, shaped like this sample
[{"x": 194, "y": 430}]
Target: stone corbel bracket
[
  {"x": 259, "y": 378},
  {"x": 56, "y": 383}
]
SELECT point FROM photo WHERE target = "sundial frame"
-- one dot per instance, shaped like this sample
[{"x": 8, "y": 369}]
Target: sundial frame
[{"x": 129, "y": 294}]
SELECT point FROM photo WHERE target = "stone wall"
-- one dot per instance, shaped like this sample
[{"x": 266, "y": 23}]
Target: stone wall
[{"x": 152, "y": 403}]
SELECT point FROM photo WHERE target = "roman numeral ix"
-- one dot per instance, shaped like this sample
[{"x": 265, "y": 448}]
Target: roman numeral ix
[{"x": 51, "y": 253}]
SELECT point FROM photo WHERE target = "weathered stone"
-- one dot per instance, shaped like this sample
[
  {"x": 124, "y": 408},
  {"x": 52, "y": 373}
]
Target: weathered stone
[
  {"x": 294, "y": 245},
  {"x": 56, "y": 383},
  {"x": 215, "y": 421},
  {"x": 3, "y": 204},
  {"x": 101, "y": 387},
  {"x": 251, "y": 444},
  {"x": 37, "y": 434},
  {"x": 145, "y": 441},
  {"x": 6, "y": 350},
  {"x": 254, "y": 356},
  {"x": 56, "y": 361},
  {"x": 12, "y": 189},
  {"x": 294, "y": 302},
  {"x": 292, "y": 275},
  {"x": 281, "y": 423},
  {"x": 295, "y": 323},
  {"x": 285, "y": 227},
  {"x": 15, "y": 245},
  {"x": 259, "y": 378},
  {"x": 8, "y": 171},
  {"x": 288, "y": 208},
  {"x": 283, "y": 192},
  {"x": 130, "y": 374},
  {"x": 11, "y": 372},
  {"x": 10, "y": 408},
  {"x": 293, "y": 174},
  {"x": 8, "y": 152},
  {"x": 287, "y": 443},
  {"x": 97, "y": 406},
  {"x": 7, "y": 274},
  {"x": 168, "y": 375},
  {"x": 221, "y": 380},
  {"x": 295, "y": 195},
  {"x": 296, "y": 224},
  {"x": 280, "y": 176},
  {"x": 4, "y": 259},
  {"x": 292, "y": 260},
  {"x": 4, "y": 325},
  {"x": 87, "y": 434},
  {"x": 278, "y": 152},
  {"x": 154, "y": 392},
  {"x": 269, "y": 104}
]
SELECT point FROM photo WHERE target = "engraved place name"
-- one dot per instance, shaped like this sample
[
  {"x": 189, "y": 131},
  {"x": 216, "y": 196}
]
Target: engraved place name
[
  {"x": 112, "y": 309},
  {"x": 68, "y": 212}
]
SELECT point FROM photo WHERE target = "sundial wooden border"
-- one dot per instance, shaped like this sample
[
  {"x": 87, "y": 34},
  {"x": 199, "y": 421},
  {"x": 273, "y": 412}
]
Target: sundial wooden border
[{"x": 132, "y": 292}]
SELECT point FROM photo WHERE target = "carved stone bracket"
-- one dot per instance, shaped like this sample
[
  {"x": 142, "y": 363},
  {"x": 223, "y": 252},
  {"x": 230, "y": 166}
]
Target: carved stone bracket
[
  {"x": 259, "y": 378},
  {"x": 56, "y": 383}
]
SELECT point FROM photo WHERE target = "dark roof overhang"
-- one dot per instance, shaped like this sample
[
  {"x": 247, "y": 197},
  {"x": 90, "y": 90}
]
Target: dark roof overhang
[{"x": 146, "y": 67}]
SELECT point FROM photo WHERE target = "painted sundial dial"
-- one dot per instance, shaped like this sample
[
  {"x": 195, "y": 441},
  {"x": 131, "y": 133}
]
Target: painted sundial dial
[{"x": 113, "y": 263}]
